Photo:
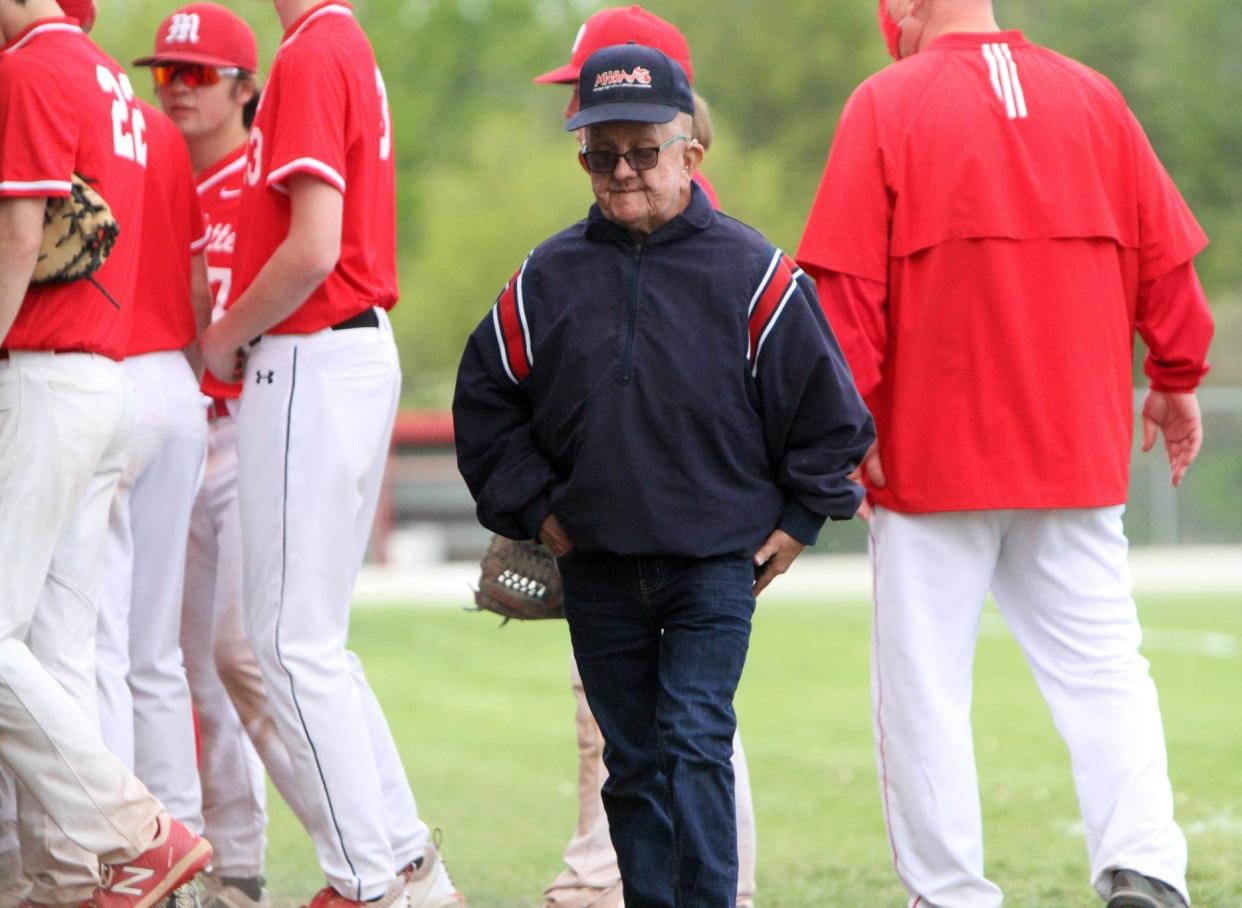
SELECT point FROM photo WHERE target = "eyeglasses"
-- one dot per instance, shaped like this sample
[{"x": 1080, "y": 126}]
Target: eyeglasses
[
  {"x": 637, "y": 158},
  {"x": 192, "y": 75}
]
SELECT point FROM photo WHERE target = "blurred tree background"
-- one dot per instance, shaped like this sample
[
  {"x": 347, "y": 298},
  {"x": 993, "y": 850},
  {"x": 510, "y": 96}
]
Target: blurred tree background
[{"x": 486, "y": 171}]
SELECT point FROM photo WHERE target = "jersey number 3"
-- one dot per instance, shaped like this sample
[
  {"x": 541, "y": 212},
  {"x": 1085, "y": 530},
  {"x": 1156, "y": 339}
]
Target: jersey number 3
[
  {"x": 128, "y": 123},
  {"x": 254, "y": 147}
]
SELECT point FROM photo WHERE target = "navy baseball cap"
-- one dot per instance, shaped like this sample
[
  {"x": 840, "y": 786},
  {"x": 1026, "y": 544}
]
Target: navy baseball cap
[{"x": 630, "y": 83}]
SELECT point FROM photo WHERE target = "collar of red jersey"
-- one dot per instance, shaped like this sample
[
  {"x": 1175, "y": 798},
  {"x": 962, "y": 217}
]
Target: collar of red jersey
[
  {"x": 1012, "y": 37},
  {"x": 42, "y": 26},
  {"x": 226, "y": 166},
  {"x": 330, "y": 7}
]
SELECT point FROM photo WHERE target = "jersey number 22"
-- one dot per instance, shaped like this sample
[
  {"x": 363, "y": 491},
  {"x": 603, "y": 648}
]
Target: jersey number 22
[{"x": 128, "y": 123}]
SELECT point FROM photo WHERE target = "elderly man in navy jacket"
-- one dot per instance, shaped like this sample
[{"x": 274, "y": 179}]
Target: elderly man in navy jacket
[{"x": 658, "y": 398}]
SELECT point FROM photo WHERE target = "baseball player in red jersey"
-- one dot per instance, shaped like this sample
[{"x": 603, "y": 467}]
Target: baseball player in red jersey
[
  {"x": 314, "y": 274},
  {"x": 591, "y": 878},
  {"x": 204, "y": 64},
  {"x": 65, "y": 419},
  {"x": 144, "y": 699},
  {"x": 991, "y": 229}
]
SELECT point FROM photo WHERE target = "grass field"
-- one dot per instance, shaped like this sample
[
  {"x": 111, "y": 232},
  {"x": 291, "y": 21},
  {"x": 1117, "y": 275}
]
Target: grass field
[{"x": 484, "y": 720}]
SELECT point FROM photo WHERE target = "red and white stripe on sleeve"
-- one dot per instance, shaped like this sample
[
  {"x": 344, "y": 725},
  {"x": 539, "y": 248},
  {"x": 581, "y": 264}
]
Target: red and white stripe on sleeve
[
  {"x": 768, "y": 302},
  {"x": 512, "y": 329}
]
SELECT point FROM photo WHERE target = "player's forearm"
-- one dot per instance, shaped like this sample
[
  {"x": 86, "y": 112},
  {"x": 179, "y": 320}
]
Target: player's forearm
[
  {"x": 277, "y": 291},
  {"x": 200, "y": 292},
  {"x": 21, "y": 229},
  {"x": 12, "y": 292},
  {"x": 201, "y": 303},
  {"x": 302, "y": 262}
]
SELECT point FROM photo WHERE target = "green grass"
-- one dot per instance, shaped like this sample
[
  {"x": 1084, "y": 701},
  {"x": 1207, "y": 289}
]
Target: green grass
[{"x": 484, "y": 720}]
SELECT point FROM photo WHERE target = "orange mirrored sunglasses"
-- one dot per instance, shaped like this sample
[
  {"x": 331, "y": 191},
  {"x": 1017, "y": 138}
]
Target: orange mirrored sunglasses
[{"x": 192, "y": 75}]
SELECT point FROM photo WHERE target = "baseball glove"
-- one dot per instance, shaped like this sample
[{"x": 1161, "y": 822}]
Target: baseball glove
[
  {"x": 79, "y": 232},
  {"x": 519, "y": 580}
]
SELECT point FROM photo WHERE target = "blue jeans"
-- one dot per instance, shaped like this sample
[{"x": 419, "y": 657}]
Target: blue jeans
[{"x": 660, "y": 644}]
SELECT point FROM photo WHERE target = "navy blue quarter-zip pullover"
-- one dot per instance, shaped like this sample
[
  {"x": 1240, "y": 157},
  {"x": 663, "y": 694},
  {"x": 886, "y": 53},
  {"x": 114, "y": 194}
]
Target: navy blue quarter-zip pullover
[{"x": 678, "y": 394}]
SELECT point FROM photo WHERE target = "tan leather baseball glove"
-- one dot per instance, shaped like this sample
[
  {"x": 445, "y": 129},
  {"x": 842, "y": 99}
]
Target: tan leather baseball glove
[
  {"x": 519, "y": 579},
  {"x": 79, "y": 232}
]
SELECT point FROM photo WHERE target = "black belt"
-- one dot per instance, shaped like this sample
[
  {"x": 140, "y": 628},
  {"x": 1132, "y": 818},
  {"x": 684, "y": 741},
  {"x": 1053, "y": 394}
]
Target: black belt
[{"x": 364, "y": 319}]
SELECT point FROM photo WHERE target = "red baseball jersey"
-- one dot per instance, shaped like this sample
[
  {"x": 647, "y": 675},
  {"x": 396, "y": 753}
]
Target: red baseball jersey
[
  {"x": 708, "y": 189},
  {"x": 66, "y": 108},
  {"x": 991, "y": 228},
  {"x": 324, "y": 112},
  {"x": 219, "y": 194},
  {"x": 172, "y": 232}
]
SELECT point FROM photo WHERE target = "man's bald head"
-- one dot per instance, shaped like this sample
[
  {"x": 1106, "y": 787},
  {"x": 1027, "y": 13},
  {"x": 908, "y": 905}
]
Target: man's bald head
[{"x": 913, "y": 24}]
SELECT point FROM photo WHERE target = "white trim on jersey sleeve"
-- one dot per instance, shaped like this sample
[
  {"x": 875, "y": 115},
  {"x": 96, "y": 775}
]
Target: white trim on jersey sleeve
[
  {"x": 307, "y": 165},
  {"x": 335, "y": 9},
  {"x": 200, "y": 244},
  {"x": 56, "y": 187},
  {"x": 43, "y": 29}
]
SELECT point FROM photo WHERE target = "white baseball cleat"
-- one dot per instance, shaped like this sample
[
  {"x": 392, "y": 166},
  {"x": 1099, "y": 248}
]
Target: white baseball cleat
[{"x": 427, "y": 883}]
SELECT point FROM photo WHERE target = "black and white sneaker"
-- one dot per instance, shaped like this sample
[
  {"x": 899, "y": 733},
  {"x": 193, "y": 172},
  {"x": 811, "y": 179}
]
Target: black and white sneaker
[{"x": 1133, "y": 890}]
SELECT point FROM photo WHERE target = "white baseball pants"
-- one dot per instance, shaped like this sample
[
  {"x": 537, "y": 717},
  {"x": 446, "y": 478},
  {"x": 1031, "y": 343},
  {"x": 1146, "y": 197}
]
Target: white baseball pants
[
  {"x": 65, "y": 425},
  {"x": 1061, "y": 581},
  {"x": 590, "y": 860},
  {"x": 313, "y": 437},
  {"x": 53, "y": 749},
  {"x": 10, "y": 854},
  {"x": 144, "y": 698},
  {"x": 238, "y": 736}
]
